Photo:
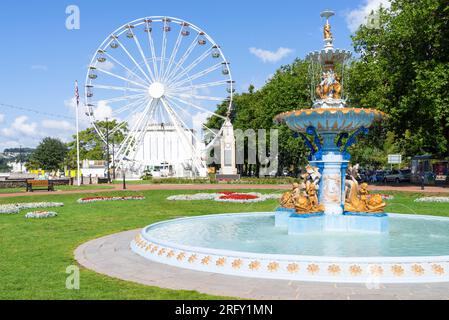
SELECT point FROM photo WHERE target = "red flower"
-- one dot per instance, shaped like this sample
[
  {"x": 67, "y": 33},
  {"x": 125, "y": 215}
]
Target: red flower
[{"x": 236, "y": 196}]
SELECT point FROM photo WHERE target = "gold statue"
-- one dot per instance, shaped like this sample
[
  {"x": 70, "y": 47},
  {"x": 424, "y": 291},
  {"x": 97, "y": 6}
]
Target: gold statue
[
  {"x": 337, "y": 88},
  {"x": 304, "y": 198},
  {"x": 327, "y": 32},
  {"x": 288, "y": 198},
  {"x": 309, "y": 203},
  {"x": 359, "y": 199}
]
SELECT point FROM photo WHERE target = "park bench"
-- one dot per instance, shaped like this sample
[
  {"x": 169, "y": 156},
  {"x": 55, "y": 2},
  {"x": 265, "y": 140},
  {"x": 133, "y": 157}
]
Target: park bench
[{"x": 33, "y": 185}]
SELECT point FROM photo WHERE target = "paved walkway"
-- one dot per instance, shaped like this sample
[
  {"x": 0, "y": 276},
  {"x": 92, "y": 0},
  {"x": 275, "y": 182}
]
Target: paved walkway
[
  {"x": 203, "y": 187},
  {"x": 112, "y": 256}
]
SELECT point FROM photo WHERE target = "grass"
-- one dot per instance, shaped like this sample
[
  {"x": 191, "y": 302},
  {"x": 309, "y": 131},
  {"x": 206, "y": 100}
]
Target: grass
[{"x": 34, "y": 254}]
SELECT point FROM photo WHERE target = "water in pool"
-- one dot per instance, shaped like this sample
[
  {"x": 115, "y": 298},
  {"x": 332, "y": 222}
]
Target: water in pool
[{"x": 257, "y": 234}]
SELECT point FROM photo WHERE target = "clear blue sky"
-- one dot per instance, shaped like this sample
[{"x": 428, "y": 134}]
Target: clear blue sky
[{"x": 40, "y": 58}]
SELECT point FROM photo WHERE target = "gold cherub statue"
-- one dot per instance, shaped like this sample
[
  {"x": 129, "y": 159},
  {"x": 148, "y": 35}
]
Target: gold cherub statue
[
  {"x": 327, "y": 31},
  {"x": 359, "y": 200},
  {"x": 309, "y": 203},
  {"x": 304, "y": 198},
  {"x": 288, "y": 198}
]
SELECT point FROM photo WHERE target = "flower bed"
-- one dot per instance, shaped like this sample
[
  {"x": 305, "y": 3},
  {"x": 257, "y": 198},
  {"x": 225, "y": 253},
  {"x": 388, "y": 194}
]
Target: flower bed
[
  {"x": 433, "y": 200},
  {"x": 17, "y": 207},
  {"x": 227, "y": 196},
  {"x": 41, "y": 215},
  {"x": 103, "y": 199}
]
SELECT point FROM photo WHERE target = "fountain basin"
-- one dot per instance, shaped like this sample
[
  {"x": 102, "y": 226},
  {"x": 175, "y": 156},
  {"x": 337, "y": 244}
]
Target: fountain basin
[
  {"x": 330, "y": 119},
  {"x": 249, "y": 245}
]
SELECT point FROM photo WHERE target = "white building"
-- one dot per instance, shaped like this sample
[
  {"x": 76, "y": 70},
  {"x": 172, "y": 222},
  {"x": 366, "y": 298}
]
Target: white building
[{"x": 166, "y": 153}]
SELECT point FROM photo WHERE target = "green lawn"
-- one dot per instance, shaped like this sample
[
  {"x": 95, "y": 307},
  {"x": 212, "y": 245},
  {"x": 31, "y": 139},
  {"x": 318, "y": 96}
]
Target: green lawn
[{"x": 35, "y": 254}]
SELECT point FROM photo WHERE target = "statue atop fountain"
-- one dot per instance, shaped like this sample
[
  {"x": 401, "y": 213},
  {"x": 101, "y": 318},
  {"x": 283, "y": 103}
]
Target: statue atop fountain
[{"x": 329, "y": 129}]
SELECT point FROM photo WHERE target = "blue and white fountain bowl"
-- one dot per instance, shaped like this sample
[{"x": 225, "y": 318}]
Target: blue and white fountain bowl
[
  {"x": 416, "y": 250},
  {"x": 330, "y": 119}
]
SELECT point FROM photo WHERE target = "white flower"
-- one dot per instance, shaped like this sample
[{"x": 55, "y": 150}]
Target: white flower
[
  {"x": 41, "y": 215},
  {"x": 102, "y": 199},
  {"x": 17, "y": 207},
  {"x": 433, "y": 199}
]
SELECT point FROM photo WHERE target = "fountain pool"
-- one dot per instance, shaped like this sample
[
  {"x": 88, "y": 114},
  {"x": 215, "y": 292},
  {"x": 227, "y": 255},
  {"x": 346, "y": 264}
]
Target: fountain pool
[{"x": 416, "y": 249}]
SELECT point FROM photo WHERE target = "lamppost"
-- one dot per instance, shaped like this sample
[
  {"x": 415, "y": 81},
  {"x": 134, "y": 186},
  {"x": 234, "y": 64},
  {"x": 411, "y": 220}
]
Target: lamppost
[
  {"x": 20, "y": 159},
  {"x": 108, "y": 155},
  {"x": 113, "y": 157}
]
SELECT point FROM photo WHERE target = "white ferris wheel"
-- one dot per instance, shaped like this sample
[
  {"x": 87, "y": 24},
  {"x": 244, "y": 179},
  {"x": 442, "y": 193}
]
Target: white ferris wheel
[{"x": 159, "y": 71}]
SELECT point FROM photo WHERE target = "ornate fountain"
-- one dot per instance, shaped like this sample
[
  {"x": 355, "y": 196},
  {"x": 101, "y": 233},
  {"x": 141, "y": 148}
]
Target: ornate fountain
[
  {"x": 340, "y": 232},
  {"x": 329, "y": 129}
]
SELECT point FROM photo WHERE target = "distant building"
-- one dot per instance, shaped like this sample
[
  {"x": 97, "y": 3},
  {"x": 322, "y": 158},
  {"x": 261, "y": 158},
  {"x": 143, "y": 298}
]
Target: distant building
[{"x": 165, "y": 153}]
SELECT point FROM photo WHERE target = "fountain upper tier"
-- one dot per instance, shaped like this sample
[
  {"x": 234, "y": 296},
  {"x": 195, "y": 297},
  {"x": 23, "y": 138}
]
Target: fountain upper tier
[{"x": 330, "y": 113}]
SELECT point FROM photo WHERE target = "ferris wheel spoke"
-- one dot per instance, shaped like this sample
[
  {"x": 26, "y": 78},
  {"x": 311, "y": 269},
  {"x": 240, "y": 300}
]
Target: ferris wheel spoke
[
  {"x": 126, "y": 68},
  {"x": 128, "y": 106},
  {"x": 215, "y": 133},
  {"x": 173, "y": 55},
  {"x": 182, "y": 132},
  {"x": 124, "y": 147},
  {"x": 140, "y": 134},
  {"x": 140, "y": 105},
  {"x": 164, "y": 51},
  {"x": 150, "y": 72},
  {"x": 122, "y": 78},
  {"x": 183, "y": 59},
  {"x": 197, "y": 97},
  {"x": 119, "y": 99},
  {"x": 196, "y": 107},
  {"x": 191, "y": 66},
  {"x": 200, "y": 86},
  {"x": 152, "y": 49},
  {"x": 134, "y": 61},
  {"x": 198, "y": 75},
  {"x": 106, "y": 87},
  {"x": 177, "y": 118},
  {"x": 141, "y": 131}
]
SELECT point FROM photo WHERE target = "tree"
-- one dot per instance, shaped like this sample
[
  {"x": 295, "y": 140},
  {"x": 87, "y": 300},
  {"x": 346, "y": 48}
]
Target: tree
[
  {"x": 404, "y": 71},
  {"x": 49, "y": 155},
  {"x": 4, "y": 166},
  {"x": 92, "y": 147}
]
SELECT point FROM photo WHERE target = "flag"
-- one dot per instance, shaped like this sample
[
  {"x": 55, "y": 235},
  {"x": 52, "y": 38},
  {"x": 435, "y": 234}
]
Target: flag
[{"x": 77, "y": 93}]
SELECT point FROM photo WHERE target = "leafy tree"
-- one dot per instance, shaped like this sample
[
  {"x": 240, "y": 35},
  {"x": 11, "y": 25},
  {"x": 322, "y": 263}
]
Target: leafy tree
[
  {"x": 49, "y": 155},
  {"x": 92, "y": 147},
  {"x": 4, "y": 167},
  {"x": 404, "y": 70}
]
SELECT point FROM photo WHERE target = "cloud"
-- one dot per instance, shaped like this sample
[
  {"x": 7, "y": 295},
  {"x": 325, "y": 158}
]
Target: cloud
[
  {"x": 58, "y": 125},
  {"x": 39, "y": 67},
  {"x": 107, "y": 65},
  {"x": 270, "y": 56},
  {"x": 358, "y": 17},
  {"x": 102, "y": 111},
  {"x": 2, "y": 118},
  {"x": 21, "y": 127}
]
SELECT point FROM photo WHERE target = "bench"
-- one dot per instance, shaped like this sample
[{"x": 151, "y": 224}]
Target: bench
[{"x": 33, "y": 185}]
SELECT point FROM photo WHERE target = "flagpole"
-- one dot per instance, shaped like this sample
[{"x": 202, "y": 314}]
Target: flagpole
[{"x": 77, "y": 135}]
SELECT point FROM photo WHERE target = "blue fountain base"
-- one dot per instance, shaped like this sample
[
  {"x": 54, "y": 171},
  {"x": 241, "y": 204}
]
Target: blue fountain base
[
  {"x": 282, "y": 217},
  {"x": 349, "y": 222}
]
